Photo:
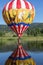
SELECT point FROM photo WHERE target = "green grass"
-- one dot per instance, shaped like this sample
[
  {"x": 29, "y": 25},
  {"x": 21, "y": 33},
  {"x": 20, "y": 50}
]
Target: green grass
[
  {"x": 14, "y": 39},
  {"x": 29, "y": 43}
]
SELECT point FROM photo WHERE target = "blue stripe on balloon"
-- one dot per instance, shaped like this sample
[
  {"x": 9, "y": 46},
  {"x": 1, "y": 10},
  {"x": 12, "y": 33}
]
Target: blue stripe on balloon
[
  {"x": 19, "y": 58},
  {"x": 12, "y": 24}
]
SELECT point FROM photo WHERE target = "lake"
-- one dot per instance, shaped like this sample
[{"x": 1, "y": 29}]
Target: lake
[{"x": 37, "y": 56}]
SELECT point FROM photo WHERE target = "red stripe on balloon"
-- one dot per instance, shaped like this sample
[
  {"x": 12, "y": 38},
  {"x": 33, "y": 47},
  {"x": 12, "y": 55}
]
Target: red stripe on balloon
[
  {"x": 15, "y": 54},
  {"x": 23, "y": 52},
  {"x": 18, "y": 4},
  {"x": 26, "y": 4},
  {"x": 18, "y": 29},
  {"x": 10, "y": 5},
  {"x": 15, "y": 29},
  {"x": 19, "y": 53}
]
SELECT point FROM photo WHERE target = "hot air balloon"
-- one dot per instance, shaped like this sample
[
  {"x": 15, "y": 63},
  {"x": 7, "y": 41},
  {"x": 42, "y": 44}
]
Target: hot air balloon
[{"x": 19, "y": 14}]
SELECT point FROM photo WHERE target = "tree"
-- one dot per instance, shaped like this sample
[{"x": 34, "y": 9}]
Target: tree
[{"x": 41, "y": 31}]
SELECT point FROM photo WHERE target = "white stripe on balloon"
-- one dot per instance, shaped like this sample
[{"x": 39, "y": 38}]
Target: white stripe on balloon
[
  {"x": 30, "y": 6},
  {"x": 22, "y": 4},
  {"x": 14, "y": 4},
  {"x": 24, "y": 28},
  {"x": 17, "y": 29},
  {"x": 21, "y": 28}
]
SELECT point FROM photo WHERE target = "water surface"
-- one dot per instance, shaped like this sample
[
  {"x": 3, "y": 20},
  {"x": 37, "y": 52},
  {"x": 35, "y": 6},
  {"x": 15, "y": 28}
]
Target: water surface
[{"x": 37, "y": 56}]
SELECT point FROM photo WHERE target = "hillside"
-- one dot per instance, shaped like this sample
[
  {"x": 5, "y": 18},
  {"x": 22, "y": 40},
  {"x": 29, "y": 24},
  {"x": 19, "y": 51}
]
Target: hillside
[{"x": 37, "y": 25}]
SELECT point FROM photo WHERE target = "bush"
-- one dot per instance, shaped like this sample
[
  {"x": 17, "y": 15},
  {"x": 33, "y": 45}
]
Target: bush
[{"x": 1, "y": 34}]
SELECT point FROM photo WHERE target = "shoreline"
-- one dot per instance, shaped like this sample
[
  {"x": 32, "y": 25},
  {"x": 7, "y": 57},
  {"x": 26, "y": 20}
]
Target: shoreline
[{"x": 29, "y": 43}]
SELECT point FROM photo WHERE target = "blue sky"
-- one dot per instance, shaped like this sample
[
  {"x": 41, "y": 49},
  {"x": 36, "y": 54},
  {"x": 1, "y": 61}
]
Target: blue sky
[{"x": 38, "y": 4}]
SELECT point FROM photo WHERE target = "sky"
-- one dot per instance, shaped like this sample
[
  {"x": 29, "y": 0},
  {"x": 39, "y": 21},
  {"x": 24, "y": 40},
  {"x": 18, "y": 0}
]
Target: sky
[{"x": 38, "y": 4}]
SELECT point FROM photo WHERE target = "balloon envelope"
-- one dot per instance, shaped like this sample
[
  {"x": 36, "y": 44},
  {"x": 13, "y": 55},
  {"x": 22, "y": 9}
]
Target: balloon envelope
[{"x": 18, "y": 14}]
